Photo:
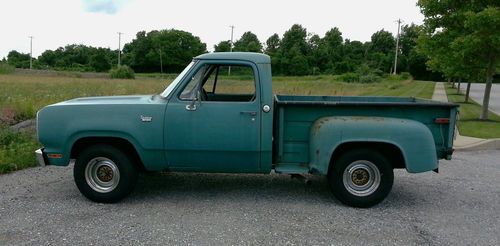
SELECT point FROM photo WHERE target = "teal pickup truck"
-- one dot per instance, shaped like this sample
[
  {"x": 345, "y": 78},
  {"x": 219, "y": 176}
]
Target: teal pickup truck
[{"x": 220, "y": 115}]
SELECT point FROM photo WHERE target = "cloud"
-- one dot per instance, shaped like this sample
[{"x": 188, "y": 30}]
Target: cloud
[{"x": 104, "y": 6}]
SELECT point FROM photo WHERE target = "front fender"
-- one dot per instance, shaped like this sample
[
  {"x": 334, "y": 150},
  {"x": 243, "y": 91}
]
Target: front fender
[
  {"x": 61, "y": 125},
  {"x": 151, "y": 158},
  {"x": 412, "y": 138}
]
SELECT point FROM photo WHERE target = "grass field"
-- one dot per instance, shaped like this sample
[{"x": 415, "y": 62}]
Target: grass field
[
  {"x": 469, "y": 123},
  {"x": 22, "y": 95}
]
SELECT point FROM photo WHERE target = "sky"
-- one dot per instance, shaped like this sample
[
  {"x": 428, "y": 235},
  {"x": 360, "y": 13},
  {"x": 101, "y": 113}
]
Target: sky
[{"x": 56, "y": 23}]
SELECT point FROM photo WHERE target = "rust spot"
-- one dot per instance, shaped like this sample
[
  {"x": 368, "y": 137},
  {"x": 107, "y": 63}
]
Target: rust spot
[
  {"x": 364, "y": 118},
  {"x": 317, "y": 125}
]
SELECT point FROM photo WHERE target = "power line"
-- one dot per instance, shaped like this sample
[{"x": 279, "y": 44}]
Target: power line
[{"x": 397, "y": 48}]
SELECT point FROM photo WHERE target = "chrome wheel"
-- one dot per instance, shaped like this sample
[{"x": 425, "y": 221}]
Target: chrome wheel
[
  {"x": 361, "y": 178},
  {"x": 102, "y": 174}
]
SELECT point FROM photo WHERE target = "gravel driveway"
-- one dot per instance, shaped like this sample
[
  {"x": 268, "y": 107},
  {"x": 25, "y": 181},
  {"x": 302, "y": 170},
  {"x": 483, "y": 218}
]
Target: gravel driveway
[{"x": 459, "y": 206}]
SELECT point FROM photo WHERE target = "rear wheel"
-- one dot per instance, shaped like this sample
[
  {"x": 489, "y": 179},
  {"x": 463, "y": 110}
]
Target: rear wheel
[
  {"x": 361, "y": 178},
  {"x": 104, "y": 173}
]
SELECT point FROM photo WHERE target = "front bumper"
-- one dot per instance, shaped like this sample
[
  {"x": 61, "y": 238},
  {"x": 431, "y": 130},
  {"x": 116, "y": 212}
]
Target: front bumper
[{"x": 40, "y": 157}]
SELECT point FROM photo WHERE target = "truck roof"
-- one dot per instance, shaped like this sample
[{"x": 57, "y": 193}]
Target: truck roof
[{"x": 246, "y": 56}]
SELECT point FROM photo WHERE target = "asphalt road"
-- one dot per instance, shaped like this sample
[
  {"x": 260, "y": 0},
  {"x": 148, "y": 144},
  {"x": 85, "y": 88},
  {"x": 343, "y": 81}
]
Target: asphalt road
[
  {"x": 477, "y": 94},
  {"x": 458, "y": 206}
]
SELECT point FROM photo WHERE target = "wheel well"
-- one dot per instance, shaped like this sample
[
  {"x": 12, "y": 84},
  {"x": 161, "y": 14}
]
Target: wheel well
[
  {"x": 389, "y": 151},
  {"x": 119, "y": 143}
]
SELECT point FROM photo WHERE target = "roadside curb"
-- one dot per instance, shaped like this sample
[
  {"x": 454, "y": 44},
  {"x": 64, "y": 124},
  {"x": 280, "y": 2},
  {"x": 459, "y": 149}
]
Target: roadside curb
[{"x": 486, "y": 144}]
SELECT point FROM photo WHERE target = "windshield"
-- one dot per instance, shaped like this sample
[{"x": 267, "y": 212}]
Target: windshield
[{"x": 176, "y": 81}]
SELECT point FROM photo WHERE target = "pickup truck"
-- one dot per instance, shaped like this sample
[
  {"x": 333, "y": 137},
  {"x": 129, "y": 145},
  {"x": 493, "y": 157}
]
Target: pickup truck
[{"x": 220, "y": 115}]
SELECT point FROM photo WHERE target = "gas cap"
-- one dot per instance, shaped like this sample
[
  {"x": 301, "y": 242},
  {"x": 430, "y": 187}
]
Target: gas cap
[{"x": 266, "y": 108}]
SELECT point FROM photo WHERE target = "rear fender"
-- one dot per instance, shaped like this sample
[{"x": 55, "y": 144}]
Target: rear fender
[{"x": 412, "y": 138}]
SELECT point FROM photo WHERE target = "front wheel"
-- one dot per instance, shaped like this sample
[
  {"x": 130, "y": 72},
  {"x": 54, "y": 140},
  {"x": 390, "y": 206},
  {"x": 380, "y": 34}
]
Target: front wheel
[
  {"x": 104, "y": 173},
  {"x": 361, "y": 178}
]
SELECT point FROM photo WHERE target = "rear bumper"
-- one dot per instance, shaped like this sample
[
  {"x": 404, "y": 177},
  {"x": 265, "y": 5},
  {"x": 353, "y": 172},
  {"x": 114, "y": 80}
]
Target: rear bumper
[{"x": 40, "y": 157}]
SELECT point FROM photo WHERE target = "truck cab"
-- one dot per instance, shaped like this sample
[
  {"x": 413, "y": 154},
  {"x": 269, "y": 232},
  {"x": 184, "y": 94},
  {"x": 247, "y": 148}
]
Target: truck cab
[{"x": 219, "y": 115}]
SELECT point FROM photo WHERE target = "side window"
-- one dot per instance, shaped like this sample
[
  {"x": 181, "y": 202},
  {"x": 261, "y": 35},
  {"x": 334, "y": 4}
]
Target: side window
[
  {"x": 230, "y": 83},
  {"x": 191, "y": 89},
  {"x": 221, "y": 83}
]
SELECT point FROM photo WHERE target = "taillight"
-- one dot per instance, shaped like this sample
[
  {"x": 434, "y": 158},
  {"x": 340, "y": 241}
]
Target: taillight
[{"x": 442, "y": 120}]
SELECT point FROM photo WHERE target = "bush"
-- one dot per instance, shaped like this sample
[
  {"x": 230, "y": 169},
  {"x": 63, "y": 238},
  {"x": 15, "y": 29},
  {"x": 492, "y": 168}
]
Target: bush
[
  {"x": 6, "y": 68},
  {"x": 349, "y": 77},
  {"x": 122, "y": 72},
  {"x": 405, "y": 75},
  {"x": 399, "y": 77},
  {"x": 393, "y": 77},
  {"x": 369, "y": 78}
]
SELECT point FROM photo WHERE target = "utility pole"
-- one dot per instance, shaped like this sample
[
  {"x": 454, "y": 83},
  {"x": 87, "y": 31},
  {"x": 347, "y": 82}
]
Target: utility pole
[
  {"x": 161, "y": 64},
  {"x": 31, "y": 51},
  {"x": 397, "y": 49},
  {"x": 232, "y": 30},
  {"x": 119, "y": 47},
  {"x": 231, "y": 48}
]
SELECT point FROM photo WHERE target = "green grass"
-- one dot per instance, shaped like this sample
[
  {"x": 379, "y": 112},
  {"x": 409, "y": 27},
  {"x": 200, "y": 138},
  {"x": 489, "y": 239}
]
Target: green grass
[
  {"x": 16, "y": 150},
  {"x": 469, "y": 123},
  {"x": 26, "y": 94},
  {"x": 22, "y": 95},
  {"x": 6, "y": 68}
]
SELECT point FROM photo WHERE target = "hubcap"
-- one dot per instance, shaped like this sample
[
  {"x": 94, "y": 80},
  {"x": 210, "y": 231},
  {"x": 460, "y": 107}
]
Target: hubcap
[
  {"x": 361, "y": 178},
  {"x": 102, "y": 174}
]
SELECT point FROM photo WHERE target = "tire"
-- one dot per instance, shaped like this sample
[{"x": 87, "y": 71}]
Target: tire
[
  {"x": 361, "y": 178},
  {"x": 104, "y": 173}
]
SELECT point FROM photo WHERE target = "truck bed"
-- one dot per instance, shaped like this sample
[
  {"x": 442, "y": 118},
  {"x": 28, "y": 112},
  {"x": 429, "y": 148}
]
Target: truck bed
[{"x": 294, "y": 116}]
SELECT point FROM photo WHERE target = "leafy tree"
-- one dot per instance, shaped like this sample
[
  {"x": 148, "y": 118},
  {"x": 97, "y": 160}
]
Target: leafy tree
[
  {"x": 293, "y": 52},
  {"x": 175, "y": 48},
  {"x": 382, "y": 41},
  {"x": 272, "y": 44},
  {"x": 100, "y": 60},
  {"x": 295, "y": 36},
  {"x": 78, "y": 58},
  {"x": 382, "y": 50},
  {"x": 248, "y": 43},
  {"x": 333, "y": 45},
  {"x": 462, "y": 40},
  {"x": 410, "y": 59},
  {"x": 19, "y": 60},
  {"x": 223, "y": 46},
  {"x": 318, "y": 57},
  {"x": 354, "y": 55}
]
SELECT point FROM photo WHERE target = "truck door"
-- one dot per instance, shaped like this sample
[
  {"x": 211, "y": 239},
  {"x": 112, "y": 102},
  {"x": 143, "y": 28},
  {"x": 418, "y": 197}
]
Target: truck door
[{"x": 213, "y": 120}]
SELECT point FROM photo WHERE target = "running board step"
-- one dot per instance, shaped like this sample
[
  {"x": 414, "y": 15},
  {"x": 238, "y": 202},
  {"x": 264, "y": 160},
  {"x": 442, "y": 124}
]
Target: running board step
[{"x": 291, "y": 169}]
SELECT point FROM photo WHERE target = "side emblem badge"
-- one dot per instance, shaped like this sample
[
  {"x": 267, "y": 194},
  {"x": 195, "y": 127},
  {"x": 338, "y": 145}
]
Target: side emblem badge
[{"x": 146, "y": 118}]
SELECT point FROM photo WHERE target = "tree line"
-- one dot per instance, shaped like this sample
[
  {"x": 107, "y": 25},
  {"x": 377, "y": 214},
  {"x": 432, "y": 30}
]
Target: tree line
[{"x": 297, "y": 52}]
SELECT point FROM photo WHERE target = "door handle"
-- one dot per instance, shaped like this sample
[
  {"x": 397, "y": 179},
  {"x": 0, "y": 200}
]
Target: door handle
[{"x": 251, "y": 113}]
